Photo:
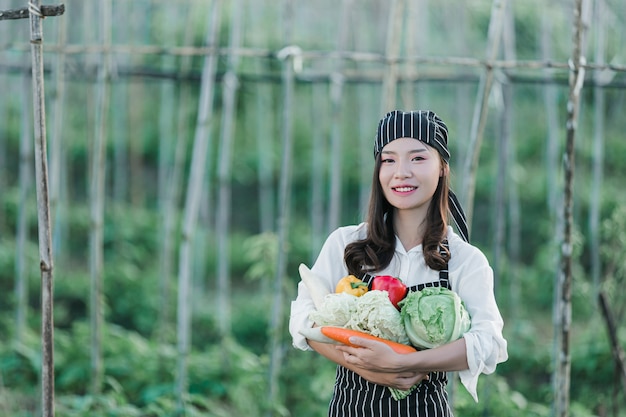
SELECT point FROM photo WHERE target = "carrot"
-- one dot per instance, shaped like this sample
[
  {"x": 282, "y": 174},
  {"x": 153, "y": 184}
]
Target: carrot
[{"x": 343, "y": 335}]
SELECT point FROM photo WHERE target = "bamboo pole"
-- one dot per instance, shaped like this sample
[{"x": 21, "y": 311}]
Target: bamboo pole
[
  {"x": 550, "y": 94},
  {"x": 369, "y": 98},
  {"x": 24, "y": 12},
  {"x": 121, "y": 122},
  {"x": 290, "y": 55},
  {"x": 43, "y": 212},
  {"x": 227, "y": 143},
  {"x": 168, "y": 157},
  {"x": 480, "y": 110},
  {"x": 336, "y": 99},
  {"x": 56, "y": 148},
  {"x": 314, "y": 55},
  {"x": 97, "y": 201},
  {"x": 505, "y": 188},
  {"x": 441, "y": 75},
  {"x": 564, "y": 303},
  {"x": 25, "y": 186},
  {"x": 192, "y": 203},
  {"x": 392, "y": 53},
  {"x": 174, "y": 182},
  {"x": 264, "y": 132},
  {"x": 612, "y": 329},
  {"x": 4, "y": 120},
  {"x": 318, "y": 179},
  {"x": 599, "y": 107},
  {"x": 554, "y": 195}
]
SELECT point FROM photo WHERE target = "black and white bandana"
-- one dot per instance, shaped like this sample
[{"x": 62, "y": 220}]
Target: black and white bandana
[{"x": 427, "y": 127}]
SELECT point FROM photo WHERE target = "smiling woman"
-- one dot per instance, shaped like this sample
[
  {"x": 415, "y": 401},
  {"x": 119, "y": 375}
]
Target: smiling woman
[{"x": 406, "y": 235}]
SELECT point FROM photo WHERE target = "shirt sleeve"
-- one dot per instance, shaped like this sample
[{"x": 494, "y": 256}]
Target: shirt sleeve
[
  {"x": 485, "y": 344},
  {"x": 329, "y": 268}
]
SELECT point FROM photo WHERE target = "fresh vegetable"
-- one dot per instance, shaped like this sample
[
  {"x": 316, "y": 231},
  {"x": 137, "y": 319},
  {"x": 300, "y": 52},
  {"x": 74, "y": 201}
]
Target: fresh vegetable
[
  {"x": 351, "y": 285},
  {"x": 315, "y": 334},
  {"x": 374, "y": 314},
  {"x": 314, "y": 285},
  {"x": 434, "y": 316},
  {"x": 394, "y": 287},
  {"x": 343, "y": 335},
  {"x": 336, "y": 310}
]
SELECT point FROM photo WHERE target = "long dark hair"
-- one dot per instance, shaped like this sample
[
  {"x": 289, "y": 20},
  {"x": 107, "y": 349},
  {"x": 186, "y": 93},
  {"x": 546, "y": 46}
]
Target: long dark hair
[{"x": 376, "y": 251}]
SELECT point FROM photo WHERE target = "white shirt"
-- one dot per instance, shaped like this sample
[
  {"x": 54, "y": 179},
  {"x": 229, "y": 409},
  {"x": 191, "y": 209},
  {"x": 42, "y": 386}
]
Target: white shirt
[{"x": 470, "y": 277}]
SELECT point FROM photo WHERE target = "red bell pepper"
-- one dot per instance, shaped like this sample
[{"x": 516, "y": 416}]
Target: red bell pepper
[{"x": 394, "y": 287}]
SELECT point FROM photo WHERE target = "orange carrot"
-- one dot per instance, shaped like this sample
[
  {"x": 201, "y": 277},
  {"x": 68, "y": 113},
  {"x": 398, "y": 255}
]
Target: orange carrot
[{"x": 343, "y": 335}]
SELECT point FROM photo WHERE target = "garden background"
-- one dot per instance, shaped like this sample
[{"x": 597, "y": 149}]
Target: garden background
[{"x": 199, "y": 150}]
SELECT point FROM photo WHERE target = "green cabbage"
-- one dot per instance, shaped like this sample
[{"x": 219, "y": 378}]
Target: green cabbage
[{"x": 434, "y": 316}]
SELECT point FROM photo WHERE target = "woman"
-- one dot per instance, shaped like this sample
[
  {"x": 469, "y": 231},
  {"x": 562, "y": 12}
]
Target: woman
[{"x": 407, "y": 235}]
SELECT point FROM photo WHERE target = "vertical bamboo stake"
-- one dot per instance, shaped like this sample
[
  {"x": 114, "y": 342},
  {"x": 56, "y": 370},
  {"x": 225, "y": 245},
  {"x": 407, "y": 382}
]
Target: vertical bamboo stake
[
  {"x": 319, "y": 150},
  {"x": 227, "y": 142},
  {"x": 167, "y": 161},
  {"x": 392, "y": 51},
  {"x": 4, "y": 106},
  {"x": 415, "y": 38},
  {"x": 506, "y": 190},
  {"x": 368, "y": 95},
  {"x": 192, "y": 203},
  {"x": 43, "y": 212},
  {"x": 56, "y": 148},
  {"x": 97, "y": 190},
  {"x": 264, "y": 132},
  {"x": 459, "y": 28},
  {"x": 25, "y": 184},
  {"x": 564, "y": 284},
  {"x": 121, "y": 137},
  {"x": 598, "y": 149},
  {"x": 265, "y": 151},
  {"x": 336, "y": 98},
  {"x": 550, "y": 95},
  {"x": 289, "y": 54},
  {"x": 480, "y": 110},
  {"x": 174, "y": 182}
]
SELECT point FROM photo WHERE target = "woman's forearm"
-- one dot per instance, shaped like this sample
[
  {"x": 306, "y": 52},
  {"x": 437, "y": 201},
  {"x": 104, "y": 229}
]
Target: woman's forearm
[
  {"x": 379, "y": 357},
  {"x": 446, "y": 358}
]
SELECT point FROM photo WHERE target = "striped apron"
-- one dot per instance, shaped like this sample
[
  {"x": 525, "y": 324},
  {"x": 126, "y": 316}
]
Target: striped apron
[{"x": 354, "y": 396}]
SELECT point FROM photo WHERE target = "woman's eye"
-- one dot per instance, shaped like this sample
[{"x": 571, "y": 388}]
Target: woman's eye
[{"x": 387, "y": 161}]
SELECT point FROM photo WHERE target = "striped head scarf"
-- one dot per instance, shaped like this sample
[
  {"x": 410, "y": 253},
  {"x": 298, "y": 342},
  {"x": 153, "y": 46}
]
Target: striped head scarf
[{"x": 425, "y": 126}]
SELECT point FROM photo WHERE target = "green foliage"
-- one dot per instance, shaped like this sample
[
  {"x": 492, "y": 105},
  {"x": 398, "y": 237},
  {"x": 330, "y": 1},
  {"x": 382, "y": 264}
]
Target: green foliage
[
  {"x": 139, "y": 375},
  {"x": 261, "y": 252}
]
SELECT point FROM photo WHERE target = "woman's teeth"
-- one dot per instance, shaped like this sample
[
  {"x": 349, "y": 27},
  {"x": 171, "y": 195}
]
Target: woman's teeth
[{"x": 404, "y": 189}]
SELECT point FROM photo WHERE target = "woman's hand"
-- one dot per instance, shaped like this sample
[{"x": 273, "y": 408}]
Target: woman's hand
[
  {"x": 373, "y": 355},
  {"x": 378, "y": 363},
  {"x": 401, "y": 381}
]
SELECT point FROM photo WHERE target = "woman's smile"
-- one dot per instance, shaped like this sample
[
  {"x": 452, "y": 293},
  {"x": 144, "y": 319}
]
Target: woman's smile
[{"x": 404, "y": 189}]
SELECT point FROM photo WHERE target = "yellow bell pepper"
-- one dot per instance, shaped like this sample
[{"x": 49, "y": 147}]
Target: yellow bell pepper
[{"x": 351, "y": 285}]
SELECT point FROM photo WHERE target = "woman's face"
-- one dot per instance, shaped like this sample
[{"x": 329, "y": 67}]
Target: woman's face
[{"x": 409, "y": 173}]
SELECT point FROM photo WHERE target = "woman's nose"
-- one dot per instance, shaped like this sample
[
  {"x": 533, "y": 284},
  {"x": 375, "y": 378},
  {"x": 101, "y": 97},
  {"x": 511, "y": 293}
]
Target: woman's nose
[{"x": 402, "y": 170}]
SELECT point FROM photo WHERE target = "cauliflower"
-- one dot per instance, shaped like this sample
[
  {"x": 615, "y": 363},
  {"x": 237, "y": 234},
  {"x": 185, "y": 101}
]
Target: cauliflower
[{"x": 375, "y": 314}]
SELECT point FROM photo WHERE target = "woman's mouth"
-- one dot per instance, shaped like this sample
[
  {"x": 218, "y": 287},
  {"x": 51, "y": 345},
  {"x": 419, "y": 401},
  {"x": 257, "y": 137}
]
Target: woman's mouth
[{"x": 405, "y": 189}]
